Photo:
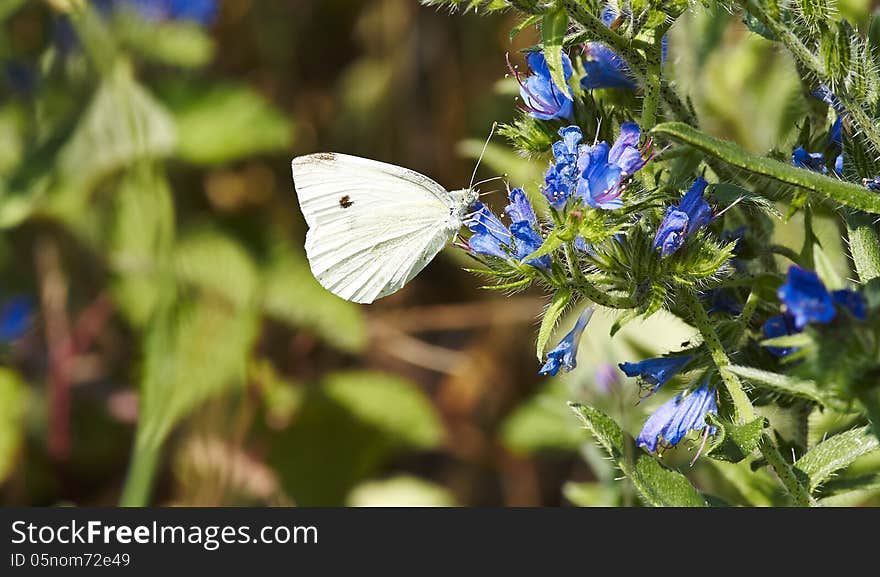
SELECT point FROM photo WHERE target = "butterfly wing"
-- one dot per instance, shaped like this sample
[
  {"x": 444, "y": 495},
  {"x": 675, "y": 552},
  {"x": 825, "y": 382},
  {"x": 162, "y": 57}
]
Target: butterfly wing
[{"x": 372, "y": 226}]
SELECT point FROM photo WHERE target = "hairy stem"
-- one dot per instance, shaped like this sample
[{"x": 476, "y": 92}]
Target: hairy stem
[
  {"x": 796, "y": 490},
  {"x": 653, "y": 79},
  {"x": 741, "y": 404}
]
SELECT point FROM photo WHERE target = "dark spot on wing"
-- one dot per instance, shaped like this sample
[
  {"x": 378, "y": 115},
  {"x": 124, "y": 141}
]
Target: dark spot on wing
[
  {"x": 345, "y": 201},
  {"x": 328, "y": 156}
]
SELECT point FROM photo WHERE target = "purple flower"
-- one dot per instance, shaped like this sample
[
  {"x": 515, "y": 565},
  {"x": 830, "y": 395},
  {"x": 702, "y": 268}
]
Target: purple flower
[
  {"x": 607, "y": 378},
  {"x": 564, "y": 356},
  {"x": 603, "y": 170},
  {"x": 677, "y": 417},
  {"x": 561, "y": 178},
  {"x": 492, "y": 238},
  {"x": 542, "y": 99},
  {"x": 655, "y": 372},
  {"x": 684, "y": 220},
  {"x": 806, "y": 298}
]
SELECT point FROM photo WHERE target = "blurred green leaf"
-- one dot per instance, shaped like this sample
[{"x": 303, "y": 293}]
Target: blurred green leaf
[
  {"x": 218, "y": 265},
  {"x": 225, "y": 123},
  {"x": 172, "y": 42},
  {"x": 13, "y": 396},
  {"x": 390, "y": 404},
  {"x": 591, "y": 494},
  {"x": 291, "y": 294},
  {"x": 122, "y": 124},
  {"x": 192, "y": 353},
  {"x": 835, "y": 453},
  {"x": 400, "y": 491},
  {"x": 140, "y": 242},
  {"x": 542, "y": 423},
  {"x": 786, "y": 385}
]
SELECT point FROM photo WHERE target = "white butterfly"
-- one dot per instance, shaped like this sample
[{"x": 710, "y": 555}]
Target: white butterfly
[{"x": 372, "y": 226}]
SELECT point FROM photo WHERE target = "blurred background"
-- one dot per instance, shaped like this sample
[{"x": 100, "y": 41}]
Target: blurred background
[{"x": 162, "y": 340}]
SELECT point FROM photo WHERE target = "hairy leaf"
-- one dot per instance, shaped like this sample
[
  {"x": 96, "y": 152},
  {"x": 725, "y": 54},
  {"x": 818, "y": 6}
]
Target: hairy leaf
[{"x": 835, "y": 453}]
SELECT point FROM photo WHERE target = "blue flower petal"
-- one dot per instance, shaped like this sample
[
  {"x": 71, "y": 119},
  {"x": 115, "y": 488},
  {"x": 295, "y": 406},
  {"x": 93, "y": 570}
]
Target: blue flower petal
[
  {"x": 15, "y": 317},
  {"x": 780, "y": 326},
  {"x": 520, "y": 209},
  {"x": 806, "y": 298},
  {"x": 656, "y": 372},
  {"x": 852, "y": 301},
  {"x": 564, "y": 356},
  {"x": 677, "y": 417}
]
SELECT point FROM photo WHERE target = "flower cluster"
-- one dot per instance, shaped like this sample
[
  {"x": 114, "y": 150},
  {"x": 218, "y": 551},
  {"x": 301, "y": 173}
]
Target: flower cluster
[
  {"x": 684, "y": 220},
  {"x": 806, "y": 300},
  {"x": 594, "y": 174},
  {"x": 492, "y": 238}
]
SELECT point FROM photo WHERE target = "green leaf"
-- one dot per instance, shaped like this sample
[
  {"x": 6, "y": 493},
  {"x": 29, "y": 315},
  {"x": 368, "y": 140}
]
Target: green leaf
[
  {"x": 388, "y": 403},
  {"x": 400, "y": 491},
  {"x": 796, "y": 340},
  {"x": 553, "y": 241},
  {"x": 591, "y": 494},
  {"x": 13, "y": 400},
  {"x": 787, "y": 385},
  {"x": 218, "y": 265},
  {"x": 193, "y": 352},
  {"x": 833, "y": 189},
  {"x": 291, "y": 294},
  {"x": 225, "y": 123},
  {"x": 657, "y": 485},
  {"x": 542, "y": 423},
  {"x": 140, "y": 242},
  {"x": 825, "y": 269},
  {"x": 726, "y": 194},
  {"x": 554, "y": 27},
  {"x": 530, "y": 21},
  {"x": 835, "y": 453},
  {"x": 561, "y": 300},
  {"x": 122, "y": 124},
  {"x": 172, "y": 42},
  {"x": 9, "y": 7},
  {"x": 735, "y": 442}
]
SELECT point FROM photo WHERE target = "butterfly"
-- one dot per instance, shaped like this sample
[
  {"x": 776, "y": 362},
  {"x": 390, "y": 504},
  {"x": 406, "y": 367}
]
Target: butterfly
[{"x": 373, "y": 226}]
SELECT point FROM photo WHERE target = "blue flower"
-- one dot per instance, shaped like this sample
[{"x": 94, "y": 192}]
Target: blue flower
[
  {"x": 15, "y": 317},
  {"x": 656, "y": 372},
  {"x": 492, "y": 238},
  {"x": 811, "y": 161},
  {"x": 561, "y": 178},
  {"x": 824, "y": 94},
  {"x": 542, "y": 99},
  {"x": 873, "y": 183},
  {"x": 21, "y": 77},
  {"x": 677, "y": 417},
  {"x": 564, "y": 356},
  {"x": 722, "y": 300},
  {"x": 603, "y": 170},
  {"x": 780, "y": 326},
  {"x": 852, "y": 301},
  {"x": 806, "y": 298},
  {"x": 605, "y": 69},
  {"x": 684, "y": 220},
  {"x": 202, "y": 12}
]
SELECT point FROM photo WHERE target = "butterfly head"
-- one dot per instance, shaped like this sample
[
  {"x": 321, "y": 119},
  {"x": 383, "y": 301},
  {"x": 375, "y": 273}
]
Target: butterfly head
[{"x": 461, "y": 202}]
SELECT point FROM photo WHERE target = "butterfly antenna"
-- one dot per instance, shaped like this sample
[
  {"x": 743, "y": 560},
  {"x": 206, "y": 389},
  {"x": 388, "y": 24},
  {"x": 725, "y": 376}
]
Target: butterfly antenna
[
  {"x": 476, "y": 184},
  {"x": 734, "y": 203},
  {"x": 482, "y": 152}
]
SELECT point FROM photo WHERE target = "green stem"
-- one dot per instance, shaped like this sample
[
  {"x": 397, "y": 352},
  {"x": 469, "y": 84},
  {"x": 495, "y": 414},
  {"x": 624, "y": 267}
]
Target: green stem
[
  {"x": 653, "y": 79},
  {"x": 748, "y": 311},
  {"x": 808, "y": 60},
  {"x": 864, "y": 245},
  {"x": 785, "y": 251},
  {"x": 741, "y": 404},
  {"x": 592, "y": 292},
  {"x": 576, "y": 271},
  {"x": 798, "y": 492},
  {"x": 141, "y": 474}
]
